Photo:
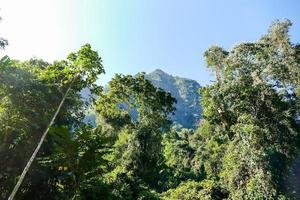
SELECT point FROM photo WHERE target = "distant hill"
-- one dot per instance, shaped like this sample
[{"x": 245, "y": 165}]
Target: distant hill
[{"x": 186, "y": 91}]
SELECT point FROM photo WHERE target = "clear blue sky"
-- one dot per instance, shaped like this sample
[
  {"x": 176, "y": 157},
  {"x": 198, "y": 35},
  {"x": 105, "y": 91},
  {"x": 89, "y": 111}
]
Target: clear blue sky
[{"x": 142, "y": 35}]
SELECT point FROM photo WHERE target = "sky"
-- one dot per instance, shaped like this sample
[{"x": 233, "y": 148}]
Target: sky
[{"x": 139, "y": 35}]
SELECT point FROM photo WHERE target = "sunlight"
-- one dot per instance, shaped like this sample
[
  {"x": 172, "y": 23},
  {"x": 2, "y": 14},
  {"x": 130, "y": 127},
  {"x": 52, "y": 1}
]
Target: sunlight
[{"x": 43, "y": 29}]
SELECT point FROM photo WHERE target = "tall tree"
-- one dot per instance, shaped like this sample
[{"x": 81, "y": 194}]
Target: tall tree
[
  {"x": 250, "y": 115},
  {"x": 139, "y": 114},
  {"x": 30, "y": 94}
]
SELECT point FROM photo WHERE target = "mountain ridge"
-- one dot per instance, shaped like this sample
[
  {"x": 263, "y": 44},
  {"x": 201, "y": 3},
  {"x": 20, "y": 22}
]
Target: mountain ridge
[{"x": 186, "y": 91}]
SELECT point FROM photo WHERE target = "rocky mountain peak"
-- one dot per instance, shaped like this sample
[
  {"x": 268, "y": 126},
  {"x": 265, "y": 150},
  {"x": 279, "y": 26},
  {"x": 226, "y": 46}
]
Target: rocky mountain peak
[{"x": 186, "y": 91}]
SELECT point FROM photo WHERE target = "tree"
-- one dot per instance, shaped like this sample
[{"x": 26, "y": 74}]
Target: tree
[
  {"x": 79, "y": 161},
  {"x": 190, "y": 190},
  {"x": 3, "y": 42},
  {"x": 40, "y": 86},
  {"x": 138, "y": 112},
  {"x": 180, "y": 147},
  {"x": 214, "y": 57},
  {"x": 250, "y": 115}
]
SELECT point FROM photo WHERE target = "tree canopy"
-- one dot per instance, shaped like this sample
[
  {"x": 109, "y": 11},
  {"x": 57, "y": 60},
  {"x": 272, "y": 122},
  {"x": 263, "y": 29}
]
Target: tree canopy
[{"x": 245, "y": 147}]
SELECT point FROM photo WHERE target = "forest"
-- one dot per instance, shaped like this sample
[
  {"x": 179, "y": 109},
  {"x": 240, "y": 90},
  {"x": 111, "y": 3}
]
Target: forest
[{"x": 245, "y": 146}]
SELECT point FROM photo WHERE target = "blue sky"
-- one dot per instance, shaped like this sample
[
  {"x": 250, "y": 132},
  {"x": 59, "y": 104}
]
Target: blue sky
[{"x": 142, "y": 35}]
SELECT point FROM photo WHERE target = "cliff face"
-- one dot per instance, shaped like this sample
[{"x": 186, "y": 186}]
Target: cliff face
[{"x": 186, "y": 91}]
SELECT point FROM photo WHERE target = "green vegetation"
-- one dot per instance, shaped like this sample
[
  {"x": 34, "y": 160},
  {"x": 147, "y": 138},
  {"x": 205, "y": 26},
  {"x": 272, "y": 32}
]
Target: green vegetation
[{"x": 244, "y": 148}]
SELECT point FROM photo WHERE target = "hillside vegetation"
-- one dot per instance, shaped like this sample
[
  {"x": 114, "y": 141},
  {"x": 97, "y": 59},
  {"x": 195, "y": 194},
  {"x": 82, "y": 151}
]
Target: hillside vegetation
[{"x": 245, "y": 145}]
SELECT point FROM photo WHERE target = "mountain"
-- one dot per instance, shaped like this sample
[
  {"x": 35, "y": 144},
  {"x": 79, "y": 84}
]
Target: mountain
[{"x": 186, "y": 91}]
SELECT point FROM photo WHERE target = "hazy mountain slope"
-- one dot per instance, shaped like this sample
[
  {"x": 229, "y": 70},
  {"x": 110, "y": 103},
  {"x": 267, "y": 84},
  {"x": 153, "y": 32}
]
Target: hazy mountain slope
[{"x": 186, "y": 91}]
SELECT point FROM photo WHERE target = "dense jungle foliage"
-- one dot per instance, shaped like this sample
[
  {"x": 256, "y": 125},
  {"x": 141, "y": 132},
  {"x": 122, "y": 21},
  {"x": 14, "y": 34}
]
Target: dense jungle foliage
[{"x": 244, "y": 147}]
